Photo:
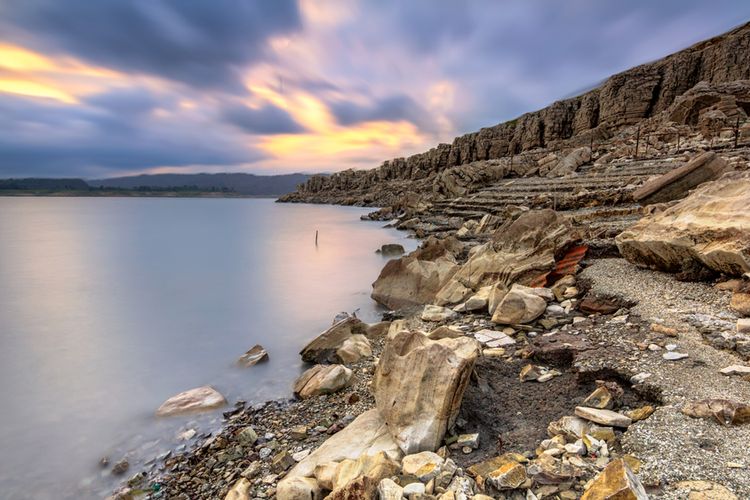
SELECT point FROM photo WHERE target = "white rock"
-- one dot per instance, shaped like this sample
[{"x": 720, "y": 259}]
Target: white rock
[
  {"x": 674, "y": 356},
  {"x": 735, "y": 370},
  {"x": 389, "y": 490},
  {"x": 414, "y": 489},
  {"x": 603, "y": 417},
  {"x": 198, "y": 399}
]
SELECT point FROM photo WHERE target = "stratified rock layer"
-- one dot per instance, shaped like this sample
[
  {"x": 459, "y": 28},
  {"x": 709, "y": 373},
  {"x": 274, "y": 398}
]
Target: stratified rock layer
[
  {"x": 419, "y": 384},
  {"x": 709, "y": 228}
]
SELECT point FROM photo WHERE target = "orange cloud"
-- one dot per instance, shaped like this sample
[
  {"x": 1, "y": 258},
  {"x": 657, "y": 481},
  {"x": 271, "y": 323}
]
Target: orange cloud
[{"x": 29, "y": 73}]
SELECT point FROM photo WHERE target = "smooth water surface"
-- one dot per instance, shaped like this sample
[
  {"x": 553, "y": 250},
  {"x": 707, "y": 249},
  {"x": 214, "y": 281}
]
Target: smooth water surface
[{"x": 110, "y": 305}]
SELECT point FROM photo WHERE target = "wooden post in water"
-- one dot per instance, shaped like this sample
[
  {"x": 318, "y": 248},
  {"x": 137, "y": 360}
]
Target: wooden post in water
[{"x": 316, "y": 237}]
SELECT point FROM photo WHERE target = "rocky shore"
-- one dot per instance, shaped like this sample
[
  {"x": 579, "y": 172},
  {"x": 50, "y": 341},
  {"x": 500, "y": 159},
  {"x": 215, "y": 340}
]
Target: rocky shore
[{"x": 575, "y": 323}]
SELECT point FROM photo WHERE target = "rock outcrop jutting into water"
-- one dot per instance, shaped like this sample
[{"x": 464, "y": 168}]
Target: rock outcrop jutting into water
[{"x": 523, "y": 357}]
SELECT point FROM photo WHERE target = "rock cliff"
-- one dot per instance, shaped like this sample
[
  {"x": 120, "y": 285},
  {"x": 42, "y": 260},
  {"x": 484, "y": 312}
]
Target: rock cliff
[{"x": 622, "y": 100}]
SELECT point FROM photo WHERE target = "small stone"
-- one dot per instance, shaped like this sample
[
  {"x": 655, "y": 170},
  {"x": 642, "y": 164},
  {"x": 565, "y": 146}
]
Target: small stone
[
  {"x": 664, "y": 330},
  {"x": 616, "y": 481},
  {"x": 529, "y": 373},
  {"x": 494, "y": 352},
  {"x": 735, "y": 370},
  {"x": 437, "y": 313},
  {"x": 389, "y": 490},
  {"x": 425, "y": 465},
  {"x": 120, "y": 467},
  {"x": 247, "y": 436},
  {"x": 470, "y": 440},
  {"x": 706, "y": 490},
  {"x": 670, "y": 347},
  {"x": 282, "y": 461},
  {"x": 508, "y": 476},
  {"x": 601, "y": 398},
  {"x": 674, "y": 356},
  {"x": 577, "y": 448},
  {"x": 603, "y": 417},
  {"x": 251, "y": 470},
  {"x": 298, "y": 432},
  {"x": 639, "y": 378},
  {"x": 641, "y": 413},
  {"x": 300, "y": 455},
  {"x": 414, "y": 489},
  {"x": 654, "y": 347},
  {"x": 549, "y": 375},
  {"x": 743, "y": 325}
]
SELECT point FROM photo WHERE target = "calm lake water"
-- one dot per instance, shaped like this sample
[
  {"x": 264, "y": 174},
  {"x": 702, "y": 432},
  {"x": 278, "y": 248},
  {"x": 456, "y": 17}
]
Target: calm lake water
[{"x": 110, "y": 305}]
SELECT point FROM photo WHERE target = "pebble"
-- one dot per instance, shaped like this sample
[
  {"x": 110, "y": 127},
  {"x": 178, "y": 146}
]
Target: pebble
[
  {"x": 674, "y": 356},
  {"x": 414, "y": 489}
]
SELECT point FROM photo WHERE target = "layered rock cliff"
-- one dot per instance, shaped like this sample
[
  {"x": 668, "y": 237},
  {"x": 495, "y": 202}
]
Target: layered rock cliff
[{"x": 622, "y": 100}]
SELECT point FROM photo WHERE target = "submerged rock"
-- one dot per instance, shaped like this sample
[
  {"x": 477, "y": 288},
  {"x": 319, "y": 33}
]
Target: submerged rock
[
  {"x": 390, "y": 250},
  {"x": 419, "y": 384},
  {"x": 255, "y": 355},
  {"x": 193, "y": 400},
  {"x": 324, "y": 348}
]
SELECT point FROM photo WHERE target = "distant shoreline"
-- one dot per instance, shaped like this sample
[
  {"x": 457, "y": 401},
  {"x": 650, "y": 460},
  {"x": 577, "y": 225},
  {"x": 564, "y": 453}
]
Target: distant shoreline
[{"x": 131, "y": 194}]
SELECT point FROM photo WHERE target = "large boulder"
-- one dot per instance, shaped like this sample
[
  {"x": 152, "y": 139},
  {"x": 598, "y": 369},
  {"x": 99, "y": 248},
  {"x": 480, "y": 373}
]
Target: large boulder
[
  {"x": 366, "y": 435},
  {"x": 322, "y": 379},
  {"x": 710, "y": 228},
  {"x": 677, "y": 183},
  {"x": 324, "y": 348},
  {"x": 519, "y": 251},
  {"x": 191, "y": 401},
  {"x": 416, "y": 278},
  {"x": 419, "y": 384}
]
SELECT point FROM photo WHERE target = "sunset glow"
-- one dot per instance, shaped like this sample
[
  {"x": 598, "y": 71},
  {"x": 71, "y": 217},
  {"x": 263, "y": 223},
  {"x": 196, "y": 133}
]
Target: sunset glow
[{"x": 296, "y": 86}]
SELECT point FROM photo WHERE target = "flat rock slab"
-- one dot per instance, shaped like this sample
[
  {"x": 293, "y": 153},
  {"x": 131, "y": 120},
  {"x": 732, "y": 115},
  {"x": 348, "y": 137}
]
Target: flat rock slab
[
  {"x": 493, "y": 338},
  {"x": 603, "y": 417}
]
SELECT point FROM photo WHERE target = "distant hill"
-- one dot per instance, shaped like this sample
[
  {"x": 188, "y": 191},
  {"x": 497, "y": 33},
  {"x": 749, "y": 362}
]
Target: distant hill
[
  {"x": 34, "y": 184},
  {"x": 244, "y": 184}
]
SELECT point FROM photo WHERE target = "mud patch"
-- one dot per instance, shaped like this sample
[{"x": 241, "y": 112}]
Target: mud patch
[{"x": 511, "y": 415}]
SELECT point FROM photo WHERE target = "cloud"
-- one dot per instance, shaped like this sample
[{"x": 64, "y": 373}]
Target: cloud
[
  {"x": 90, "y": 87},
  {"x": 40, "y": 137},
  {"x": 265, "y": 120},
  {"x": 201, "y": 43},
  {"x": 391, "y": 109}
]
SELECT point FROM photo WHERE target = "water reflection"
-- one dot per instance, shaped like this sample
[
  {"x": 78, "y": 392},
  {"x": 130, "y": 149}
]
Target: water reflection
[{"x": 108, "y": 306}]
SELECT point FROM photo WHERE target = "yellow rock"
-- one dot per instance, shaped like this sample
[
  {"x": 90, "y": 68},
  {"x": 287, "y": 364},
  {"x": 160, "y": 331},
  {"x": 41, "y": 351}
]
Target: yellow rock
[
  {"x": 600, "y": 398},
  {"x": 616, "y": 482},
  {"x": 665, "y": 330},
  {"x": 508, "y": 476},
  {"x": 641, "y": 413}
]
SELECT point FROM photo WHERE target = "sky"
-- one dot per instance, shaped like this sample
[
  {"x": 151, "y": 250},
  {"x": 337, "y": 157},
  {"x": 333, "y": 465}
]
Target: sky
[{"x": 103, "y": 88}]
